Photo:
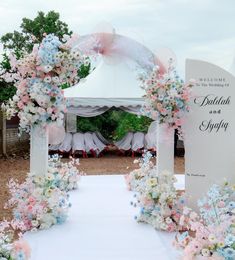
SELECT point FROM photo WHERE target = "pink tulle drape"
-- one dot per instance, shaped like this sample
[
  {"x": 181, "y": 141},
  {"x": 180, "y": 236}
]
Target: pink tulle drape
[{"x": 112, "y": 45}]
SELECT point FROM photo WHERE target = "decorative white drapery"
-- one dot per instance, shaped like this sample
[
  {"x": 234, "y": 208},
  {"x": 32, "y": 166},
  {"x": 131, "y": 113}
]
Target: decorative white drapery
[
  {"x": 137, "y": 141},
  {"x": 88, "y": 111}
]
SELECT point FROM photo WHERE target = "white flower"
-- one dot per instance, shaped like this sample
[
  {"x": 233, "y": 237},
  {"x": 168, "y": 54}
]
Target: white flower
[
  {"x": 164, "y": 226},
  {"x": 168, "y": 220},
  {"x": 47, "y": 79},
  {"x": 56, "y": 79},
  {"x": 34, "y": 230},
  {"x": 47, "y": 68},
  {"x": 205, "y": 252},
  {"x": 35, "y": 223},
  {"x": 16, "y": 98},
  {"x": 212, "y": 238}
]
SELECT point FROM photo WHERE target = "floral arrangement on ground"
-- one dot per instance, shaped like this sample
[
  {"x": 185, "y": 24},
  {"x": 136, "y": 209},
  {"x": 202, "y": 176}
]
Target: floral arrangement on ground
[
  {"x": 159, "y": 202},
  {"x": 42, "y": 201},
  {"x": 210, "y": 234},
  {"x": 12, "y": 248},
  {"x": 135, "y": 179},
  {"x": 63, "y": 175}
]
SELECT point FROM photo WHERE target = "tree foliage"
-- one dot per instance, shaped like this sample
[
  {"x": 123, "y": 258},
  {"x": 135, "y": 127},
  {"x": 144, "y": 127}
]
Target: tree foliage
[{"x": 32, "y": 32}]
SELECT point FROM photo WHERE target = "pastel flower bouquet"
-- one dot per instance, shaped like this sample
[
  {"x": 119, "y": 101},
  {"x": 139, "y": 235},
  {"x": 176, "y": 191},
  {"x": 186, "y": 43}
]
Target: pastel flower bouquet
[
  {"x": 39, "y": 77},
  {"x": 63, "y": 175},
  {"x": 160, "y": 203},
  {"x": 136, "y": 178},
  {"x": 10, "y": 247},
  {"x": 167, "y": 97},
  {"x": 38, "y": 202},
  {"x": 210, "y": 234}
]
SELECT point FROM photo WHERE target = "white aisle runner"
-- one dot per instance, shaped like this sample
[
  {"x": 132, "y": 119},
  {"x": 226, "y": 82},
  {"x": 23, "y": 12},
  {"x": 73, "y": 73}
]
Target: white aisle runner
[{"x": 101, "y": 226}]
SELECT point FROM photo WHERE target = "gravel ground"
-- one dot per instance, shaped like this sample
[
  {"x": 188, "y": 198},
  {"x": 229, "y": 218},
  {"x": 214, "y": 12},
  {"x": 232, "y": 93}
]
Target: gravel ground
[{"x": 18, "y": 167}]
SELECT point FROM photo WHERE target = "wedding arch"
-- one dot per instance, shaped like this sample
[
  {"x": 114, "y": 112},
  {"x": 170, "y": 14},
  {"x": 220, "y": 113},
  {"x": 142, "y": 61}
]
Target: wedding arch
[
  {"x": 39, "y": 101},
  {"x": 113, "y": 82}
]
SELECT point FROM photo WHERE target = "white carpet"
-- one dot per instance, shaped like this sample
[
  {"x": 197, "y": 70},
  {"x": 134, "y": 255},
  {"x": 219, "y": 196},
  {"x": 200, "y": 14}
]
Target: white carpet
[{"x": 101, "y": 226}]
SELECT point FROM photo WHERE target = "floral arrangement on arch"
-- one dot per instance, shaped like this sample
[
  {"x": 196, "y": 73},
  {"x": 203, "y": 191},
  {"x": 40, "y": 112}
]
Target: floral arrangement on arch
[
  {"x": 167, "y": 97},
  {"x": 210, "y": 234},
  {"x": 160, "y": 203},
  {"x": 136, "y": 178},
  {"x": 11, "y": 248},
  {"x": 38, "y": 77}
]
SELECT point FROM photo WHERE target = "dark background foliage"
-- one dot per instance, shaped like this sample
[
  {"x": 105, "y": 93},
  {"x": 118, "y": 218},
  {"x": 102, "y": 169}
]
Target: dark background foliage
[{"x": 114, "y": 124}]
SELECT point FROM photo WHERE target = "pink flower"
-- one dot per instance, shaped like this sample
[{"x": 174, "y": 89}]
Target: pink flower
[
  {"x": 221, "y": 204},
  {"x": 49, "y": 110},
  {"x": 41, "y": 111},
  {"x": 30, "y": 208},
  {"x": 171, "y": 227},
  {"x": 25, "y": 98},
  {"x": 32, "y": 201},
  {"x": 20, "y": 104},
  {"x": 147, "y": 202}
]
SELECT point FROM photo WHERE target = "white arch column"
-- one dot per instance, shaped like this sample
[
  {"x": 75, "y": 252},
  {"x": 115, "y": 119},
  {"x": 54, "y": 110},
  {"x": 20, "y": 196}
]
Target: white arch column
[
  {"x": 38, "y": 150},
  {"x": 165, "y": 148}
]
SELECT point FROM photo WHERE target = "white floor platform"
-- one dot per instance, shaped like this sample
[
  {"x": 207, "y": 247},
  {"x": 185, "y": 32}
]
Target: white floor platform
[{"x": 101, "y": 226}]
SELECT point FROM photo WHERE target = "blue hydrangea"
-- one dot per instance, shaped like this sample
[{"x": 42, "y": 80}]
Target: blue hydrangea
[
  {"x": 230, "y": 239},
  {"x": 48, "y": 49},
  {"x": 61, "y": 219},
  {"x": 229, "y": 253},
  {"x": 182, "y": 236},
  {"x": 179, "y": 103},
  {"x": 20, "y": 256},
  {"x": 231, "y": 205},
  {"x": 17, "y": 216},
  {"x": 214, "y": 192}
]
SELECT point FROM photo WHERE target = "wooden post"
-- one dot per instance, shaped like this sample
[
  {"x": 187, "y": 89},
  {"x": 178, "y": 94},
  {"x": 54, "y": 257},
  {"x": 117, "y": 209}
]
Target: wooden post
[{"x": 3, "y": 133}]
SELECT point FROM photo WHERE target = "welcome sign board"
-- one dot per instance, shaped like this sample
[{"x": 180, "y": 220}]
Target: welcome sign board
[{"x": 209, "y": 129}]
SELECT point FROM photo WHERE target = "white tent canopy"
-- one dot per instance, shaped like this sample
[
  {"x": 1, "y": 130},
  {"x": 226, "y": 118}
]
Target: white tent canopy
[{"x": 111, "y": 84}]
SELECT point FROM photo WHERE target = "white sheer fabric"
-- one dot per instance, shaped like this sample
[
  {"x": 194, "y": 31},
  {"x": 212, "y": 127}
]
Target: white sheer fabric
[
  {"x": 100, "y": 145},
  {"x": 150, "y": 142},
  {"x": 89, "y": 142},
  {"x": 102, "y": 139},
  {"x": 151, "y": 136},
  {"x": 78, "y": 143},
  {"x": 125, "y": 142},
  {"x": 66, "y": 145},
  {"x": 71, "y": 123},
  {"x": 137, "y": 141}
]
